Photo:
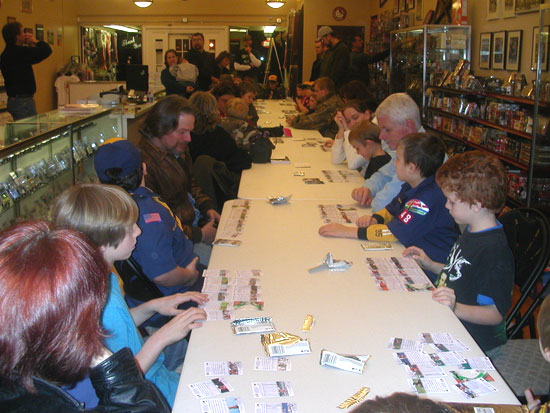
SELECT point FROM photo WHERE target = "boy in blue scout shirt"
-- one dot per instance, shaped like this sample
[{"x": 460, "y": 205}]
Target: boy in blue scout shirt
[
  {"x": 417, "y": 215},
  {"x": 162, "y": 250}
]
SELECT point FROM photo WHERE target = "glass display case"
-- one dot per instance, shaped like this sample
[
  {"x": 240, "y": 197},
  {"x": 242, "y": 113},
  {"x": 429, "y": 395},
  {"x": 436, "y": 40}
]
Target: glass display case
[
  {"x": 419, "y": 55},
  {"x": 42, "y": 155}
]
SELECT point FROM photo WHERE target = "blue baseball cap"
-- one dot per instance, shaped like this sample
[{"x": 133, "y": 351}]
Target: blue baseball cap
[{"x": 116, "y": 153}]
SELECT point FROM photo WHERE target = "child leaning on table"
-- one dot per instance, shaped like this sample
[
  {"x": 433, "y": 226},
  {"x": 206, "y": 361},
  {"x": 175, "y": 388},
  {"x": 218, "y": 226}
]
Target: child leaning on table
[
  {"x": 476, "y": 280},
  {"x": 417, "y": 215}
]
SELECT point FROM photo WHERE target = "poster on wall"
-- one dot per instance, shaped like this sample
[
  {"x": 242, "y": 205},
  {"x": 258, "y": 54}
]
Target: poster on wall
[
  {"x": 509, "y": 9},
  {"x": 494, "y": 9},
  {"x": 513, "y": 50},
  {"x": 527, "y": 6},
  {"x": 535, "y": 49},
  {"x": 485, "y": 43},
  {"x": 26, "y": 6},
  {"x": 499, "y": 50},
  {"x": 39, "y": 32}
]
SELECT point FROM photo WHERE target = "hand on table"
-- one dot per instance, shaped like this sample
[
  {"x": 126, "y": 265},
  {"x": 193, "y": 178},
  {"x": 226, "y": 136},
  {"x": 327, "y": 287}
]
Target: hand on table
[
  {"x": 362, "y": 195},
  {"x": 445, "y": 296},
  {"x": 290, "y": 119},
  {"x": 169, "y": 305},
  {"x": 418, "y": 255},
  {"x": 365, "y": 221},
  {"x": 213, "y": 215},
  {"x": 328, "y": 143},
  {"x": 338, "y": 230},
  {"x": 208, "y": 233},
  {"x": 178, "y": 327}
]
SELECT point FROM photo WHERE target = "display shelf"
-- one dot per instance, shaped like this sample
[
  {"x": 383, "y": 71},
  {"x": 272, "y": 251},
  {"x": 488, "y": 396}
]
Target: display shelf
[
  {"x": 418, "y": 54},
  {"x": 482, "y": 122},
  {"x": 508, "y": 160},
  {"x": 509, "y": 98}
]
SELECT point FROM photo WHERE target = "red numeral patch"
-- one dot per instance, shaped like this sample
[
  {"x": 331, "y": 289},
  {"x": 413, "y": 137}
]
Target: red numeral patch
[{"x": 405, "y": 217}]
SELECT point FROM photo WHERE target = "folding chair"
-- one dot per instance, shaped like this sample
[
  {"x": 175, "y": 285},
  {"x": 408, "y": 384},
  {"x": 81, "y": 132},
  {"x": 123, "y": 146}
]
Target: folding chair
[{"x": 520, "y": 361}]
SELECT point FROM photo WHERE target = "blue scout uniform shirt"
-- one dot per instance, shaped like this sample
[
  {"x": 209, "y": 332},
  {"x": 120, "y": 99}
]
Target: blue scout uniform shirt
[
  {"x": 421, "y": 219},
  {"x": 162, "y": 245},
  {"x": 122, "y": 332}
]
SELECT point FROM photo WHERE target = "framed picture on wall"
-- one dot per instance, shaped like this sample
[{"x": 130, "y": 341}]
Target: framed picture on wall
[
  {"x": 513, "y": 49},
  {"x": 39, "y": 32},
  {"x": 509, "y": 8},
  {"x": 410, "y": 4},
  {"x": 26, "y": 6},
  {"x": 527, "y": 6},
  {"x": 535, "y": 49},
  {"x": 403, "y": 4},
  {"x": 499, "y": 50},
  {"x": 494, "y": 9},
  {"x": 485, "y": 44},
  {"x": 419, "y": 11},
  {"x": 382, "y": 2},
  {"x": 396, "y": 6}
]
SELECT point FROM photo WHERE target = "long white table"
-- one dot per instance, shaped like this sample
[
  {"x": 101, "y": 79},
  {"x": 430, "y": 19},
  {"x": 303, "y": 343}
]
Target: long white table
[{"x": 351, "y": 315}]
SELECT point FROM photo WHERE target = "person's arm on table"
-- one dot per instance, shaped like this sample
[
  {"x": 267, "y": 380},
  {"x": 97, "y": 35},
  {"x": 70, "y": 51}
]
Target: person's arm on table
[
  {"x": 337, "y": 153},
  {"x": 423, "y": 260},
  {"x": 476, "y": 314}
]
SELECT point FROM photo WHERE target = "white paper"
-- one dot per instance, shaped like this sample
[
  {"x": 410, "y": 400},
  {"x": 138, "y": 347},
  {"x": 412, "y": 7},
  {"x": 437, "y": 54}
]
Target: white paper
[
  {"x": 218, "y": 315},
  {"x": 397, "y": 343},
  {"x": 428, "y": 386},
  {"x": 223, "y": 368},
  {"x": 272, "y": 364},
  {"x": 448, "y": 358},
  {"x": 267, "y": 389},
  {"x": 478, "y": 363},
  {"x": 282, "y": 407},
  {"x": 475, "y": 388},
  {"x": 419, "y": 371},
  {"x": 339, "y": 214},
  {"x": 227, "y": 405},
  {"x": 208, "y": 388},
  {"x": 398, "y": 274},
  {"x": 442, "y": 338},
  {"x": 456, "y": 345},
  {"x": 412, "y": 357}
]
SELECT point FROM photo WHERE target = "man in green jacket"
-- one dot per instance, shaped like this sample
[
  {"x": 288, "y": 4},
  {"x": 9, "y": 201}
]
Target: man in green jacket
[
  {"x": 336, "y": 62},
  {"x": 322, "y": 117}
]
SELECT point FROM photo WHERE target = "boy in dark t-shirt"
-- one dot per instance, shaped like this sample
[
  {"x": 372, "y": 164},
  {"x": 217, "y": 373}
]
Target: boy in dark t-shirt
[{"x": 476, "y": 281}]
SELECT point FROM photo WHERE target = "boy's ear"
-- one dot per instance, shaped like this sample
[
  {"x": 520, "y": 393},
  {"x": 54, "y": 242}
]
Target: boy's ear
[{"x": 476, "y": 207}]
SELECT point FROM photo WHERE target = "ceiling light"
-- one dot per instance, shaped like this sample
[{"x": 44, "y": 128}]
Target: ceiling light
[
  {"x": 122, "y": 28},
  {"x": 143, "y": 3},
  {"x": 275, "y": 4},
  {"x": 269, "y": 29}
]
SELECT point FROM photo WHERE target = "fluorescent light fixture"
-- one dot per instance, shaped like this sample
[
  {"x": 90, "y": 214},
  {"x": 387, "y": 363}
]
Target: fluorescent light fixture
[
  {"x": 143, "y": 3},
  {"x": 269, "y": 29},
  {"x": 122, "y": 28},
  {"x": 275, "y": 4},
  {"x": 238, "y": 30}
]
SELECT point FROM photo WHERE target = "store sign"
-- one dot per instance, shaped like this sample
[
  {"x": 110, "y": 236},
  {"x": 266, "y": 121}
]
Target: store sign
[{"x": 266, "y": 42}]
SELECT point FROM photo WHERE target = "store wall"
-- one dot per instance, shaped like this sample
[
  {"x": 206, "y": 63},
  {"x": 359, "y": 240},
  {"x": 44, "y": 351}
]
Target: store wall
[{"x": 57, "y": 16}]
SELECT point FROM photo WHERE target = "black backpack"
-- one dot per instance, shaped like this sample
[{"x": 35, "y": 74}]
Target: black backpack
[{"x": 261, "y": 147}]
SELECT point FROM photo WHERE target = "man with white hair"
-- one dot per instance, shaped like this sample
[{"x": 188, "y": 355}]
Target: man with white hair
[{"x": 397, "y": 116}]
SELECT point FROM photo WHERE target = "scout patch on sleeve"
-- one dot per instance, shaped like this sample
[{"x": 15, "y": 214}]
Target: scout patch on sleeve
[
  {"x": 153, "y": 217},
  {"x": 416, "y": 206}
]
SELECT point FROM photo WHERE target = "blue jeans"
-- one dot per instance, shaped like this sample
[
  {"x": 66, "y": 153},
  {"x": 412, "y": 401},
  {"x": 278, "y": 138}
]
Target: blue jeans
[{"x": 20, "y": 108}]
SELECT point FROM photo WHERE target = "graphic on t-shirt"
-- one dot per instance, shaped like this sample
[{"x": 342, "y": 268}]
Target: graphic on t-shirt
[{"x": 454, "y": 263}]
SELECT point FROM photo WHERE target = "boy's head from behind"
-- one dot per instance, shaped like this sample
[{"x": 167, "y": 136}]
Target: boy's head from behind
[
  {"x": 104, "y": 213},
  {"x": 237, "y": 108},
  {"x": 118, "y": 162},
  {"x": 425, "y": 151},
  {"x": 476, "y": 178}
]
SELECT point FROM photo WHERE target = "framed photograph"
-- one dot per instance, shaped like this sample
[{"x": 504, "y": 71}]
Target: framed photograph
[
  {"x": 396, "y": 6},
  {"x": 50, "y": 37},
  {"x": 513, "y": 49},
  {"x": 528, "y": 6},
  {"x": 410, "y": 4},
  {"x": 499, "y": 50},
  {"x": 382, "y": 2},
  {"x": 26, "y": 6},
  {"x": 28, "y": 30},
  {"x": 485, "y": 46},
  {"x": 39, "y": 32},
  {"x": 494, "y": 9},
  {"x": 535, "y": 49},
  {"x": 509, "y": 8},
  {"x": 419, "y": 11}
]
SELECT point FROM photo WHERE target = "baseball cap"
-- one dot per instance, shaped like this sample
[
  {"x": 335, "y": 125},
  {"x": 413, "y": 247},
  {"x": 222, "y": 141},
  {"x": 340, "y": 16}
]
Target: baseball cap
[
  {"x": 323, "y": 31},
  {"x": 116, "y": 153},
  {"x": 272, "y": 78}
]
